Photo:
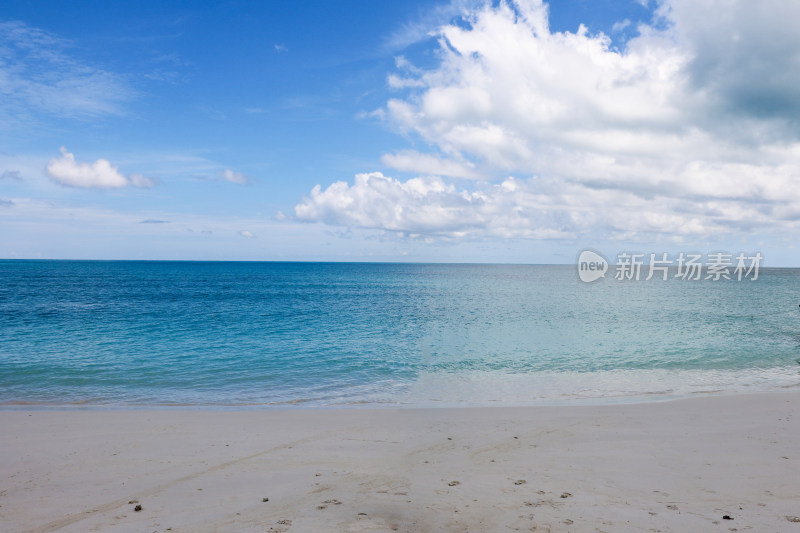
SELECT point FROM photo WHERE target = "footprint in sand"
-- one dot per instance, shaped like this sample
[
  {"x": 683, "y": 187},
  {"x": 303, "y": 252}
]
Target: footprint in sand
[
  {"x": 282, "y": 526},
  {"x": 333, "y": 501}
]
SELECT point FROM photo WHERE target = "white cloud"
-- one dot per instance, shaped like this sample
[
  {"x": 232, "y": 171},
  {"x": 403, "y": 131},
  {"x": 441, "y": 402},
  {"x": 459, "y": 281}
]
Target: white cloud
[
  {"x": 690, "y": 128},
  {"x": 247, "y": 234},
  {"x": 234, "y": 177},
  {"x": 423, "y": 206},
  {"x": 535, "y": 208},
  {"x": 507, "y": 88},
  {"x": 98, "y": 175}
]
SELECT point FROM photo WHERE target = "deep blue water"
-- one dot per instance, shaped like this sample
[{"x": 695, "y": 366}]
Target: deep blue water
[{"x": 265, "y": 334}]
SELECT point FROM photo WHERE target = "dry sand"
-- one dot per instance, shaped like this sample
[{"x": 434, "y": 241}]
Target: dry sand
[{"x": 675, "y": 466}]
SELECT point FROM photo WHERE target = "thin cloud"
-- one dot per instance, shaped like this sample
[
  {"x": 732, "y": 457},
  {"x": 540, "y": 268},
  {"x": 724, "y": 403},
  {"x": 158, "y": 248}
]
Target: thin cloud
[
  {"x": 427, "y": 164},
  {"x": 234, "y": 177},
  {"x": 427, "y": 23},
  {"x": 11, "y": 175},
  {"x": 247, "y": 234},
  {"x": 39, "y": 77},
  {"x": 621, "y": 25}
]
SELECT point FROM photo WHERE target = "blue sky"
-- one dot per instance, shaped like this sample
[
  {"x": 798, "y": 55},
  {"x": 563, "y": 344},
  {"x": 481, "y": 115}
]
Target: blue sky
[{"x": 398, "y": 131}]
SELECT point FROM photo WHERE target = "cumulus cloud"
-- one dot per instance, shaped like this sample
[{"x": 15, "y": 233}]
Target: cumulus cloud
[
  {"x": 688, "y": 128},
  {"x": 98, "y": 175},
  {"x": 422, "y": 206},
  {"x": 508, "y": 89},
  {"x": 535, "y": 208},
  {"x": 234, "y": 177},
  {"x": 247, "y": 234}
]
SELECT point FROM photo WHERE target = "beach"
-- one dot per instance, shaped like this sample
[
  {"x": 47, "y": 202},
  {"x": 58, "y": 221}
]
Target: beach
[
  {"x": 432, "y": 266},
  {"x": 717, "y": 463}
]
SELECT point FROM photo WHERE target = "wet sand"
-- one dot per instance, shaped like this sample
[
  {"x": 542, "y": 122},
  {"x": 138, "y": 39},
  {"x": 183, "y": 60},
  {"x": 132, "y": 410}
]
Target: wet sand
[{"x": 683, "y": 465}]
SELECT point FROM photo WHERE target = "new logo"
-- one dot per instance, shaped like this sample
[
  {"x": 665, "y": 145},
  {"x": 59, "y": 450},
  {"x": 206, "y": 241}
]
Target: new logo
[{"x": 591, "y": 266}]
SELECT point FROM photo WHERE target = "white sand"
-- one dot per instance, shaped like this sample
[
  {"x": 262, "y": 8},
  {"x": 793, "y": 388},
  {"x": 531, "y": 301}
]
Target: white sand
[{"x": 675, "y": 466}]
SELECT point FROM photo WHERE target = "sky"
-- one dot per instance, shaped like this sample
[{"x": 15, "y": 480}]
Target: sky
[{"x": 434, "y": 131}]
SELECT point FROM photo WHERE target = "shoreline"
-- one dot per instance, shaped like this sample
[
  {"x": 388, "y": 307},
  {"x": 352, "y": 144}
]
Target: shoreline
[
  {"x": 302, "y": 405},
  {"x": 671, "y": 466}
]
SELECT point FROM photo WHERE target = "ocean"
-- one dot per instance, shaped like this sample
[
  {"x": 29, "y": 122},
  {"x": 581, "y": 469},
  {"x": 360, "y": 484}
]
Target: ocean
[{"x": 108, "y": 334}]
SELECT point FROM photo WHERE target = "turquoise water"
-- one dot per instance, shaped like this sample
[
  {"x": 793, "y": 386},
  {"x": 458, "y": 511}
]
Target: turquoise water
[{"x": 320, "y": 334}]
